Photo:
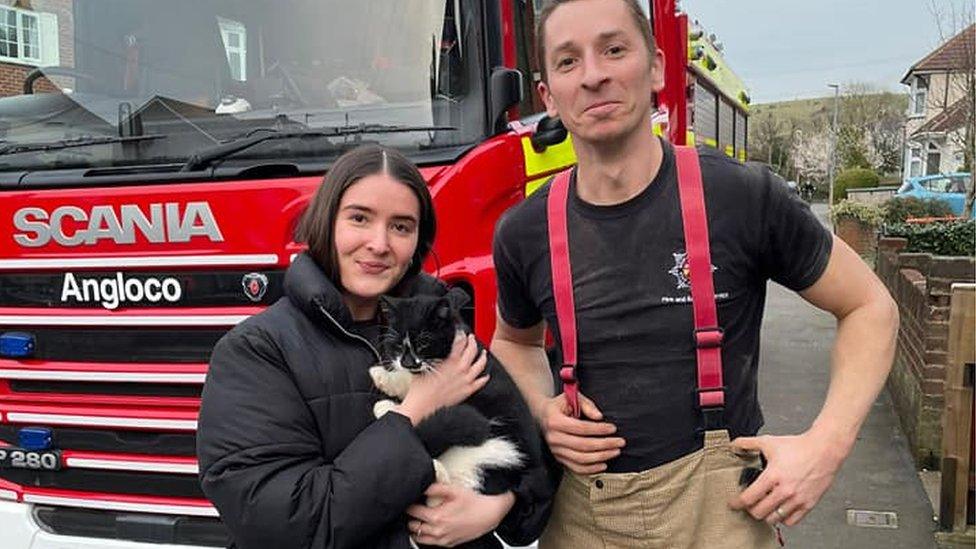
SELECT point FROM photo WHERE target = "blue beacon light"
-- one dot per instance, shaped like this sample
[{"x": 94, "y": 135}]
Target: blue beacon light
[
  {"x": 16, "y": 345},
  {"x": 34, "y": 438}
]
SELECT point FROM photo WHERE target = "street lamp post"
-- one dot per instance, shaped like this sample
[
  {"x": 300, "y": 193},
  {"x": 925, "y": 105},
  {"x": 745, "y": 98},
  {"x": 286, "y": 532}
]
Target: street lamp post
[{"x": 833, "y": 148}]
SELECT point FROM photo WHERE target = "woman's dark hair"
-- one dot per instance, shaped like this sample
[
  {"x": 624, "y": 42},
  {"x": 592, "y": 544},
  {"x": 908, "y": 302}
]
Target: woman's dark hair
[{"x": 317, "y": 226}]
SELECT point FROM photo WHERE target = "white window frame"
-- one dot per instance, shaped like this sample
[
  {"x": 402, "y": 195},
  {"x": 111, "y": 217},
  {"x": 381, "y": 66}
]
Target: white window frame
[
  {"x": 915, "y": 160},
  {"x": 918, "y": 98},
  {"x": 227, "y": 28},
  {"x": 22, "y": 15}
]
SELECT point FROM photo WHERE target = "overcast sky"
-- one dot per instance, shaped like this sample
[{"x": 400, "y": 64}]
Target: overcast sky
[{"x": 789, "y": 49}]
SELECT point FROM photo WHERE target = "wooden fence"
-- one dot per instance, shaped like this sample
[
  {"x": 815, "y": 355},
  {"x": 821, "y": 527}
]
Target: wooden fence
[{"x": 956, "y": 497}]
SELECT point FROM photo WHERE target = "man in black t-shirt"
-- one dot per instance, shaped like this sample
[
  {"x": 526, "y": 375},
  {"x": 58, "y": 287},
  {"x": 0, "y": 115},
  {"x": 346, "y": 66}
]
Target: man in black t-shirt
[{"x": 637, "y": 365}]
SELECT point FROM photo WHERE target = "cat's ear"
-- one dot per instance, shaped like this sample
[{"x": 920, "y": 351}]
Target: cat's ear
[{"x": 458, "y": 298}]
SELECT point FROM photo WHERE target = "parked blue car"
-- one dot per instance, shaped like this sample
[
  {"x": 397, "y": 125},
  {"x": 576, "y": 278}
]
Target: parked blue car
[{"x": 950, "y": 188}]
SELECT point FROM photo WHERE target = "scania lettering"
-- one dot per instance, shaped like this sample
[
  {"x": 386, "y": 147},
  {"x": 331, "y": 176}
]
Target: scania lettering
[
  {"x": 150, "y": 186},
  {"x": 164, "y": 223},
  {"x": 111, "y": 292}
]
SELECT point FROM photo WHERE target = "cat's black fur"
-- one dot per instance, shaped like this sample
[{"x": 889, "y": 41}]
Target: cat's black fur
[{"x": 422, "y": 329}]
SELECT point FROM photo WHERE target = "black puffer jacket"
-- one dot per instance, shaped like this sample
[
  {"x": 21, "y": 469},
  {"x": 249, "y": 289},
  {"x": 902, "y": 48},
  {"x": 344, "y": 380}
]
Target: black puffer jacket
[{"x": 289, "y": 450}]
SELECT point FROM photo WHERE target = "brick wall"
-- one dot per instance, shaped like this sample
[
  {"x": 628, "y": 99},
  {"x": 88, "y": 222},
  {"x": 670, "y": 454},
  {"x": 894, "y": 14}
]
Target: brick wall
[
  {"x": 12, "y": 80},
  {"x": 921, "y": 284}
]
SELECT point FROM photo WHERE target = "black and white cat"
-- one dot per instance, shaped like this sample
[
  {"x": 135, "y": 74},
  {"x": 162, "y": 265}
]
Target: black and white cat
[{"x": 485, "y": 442}]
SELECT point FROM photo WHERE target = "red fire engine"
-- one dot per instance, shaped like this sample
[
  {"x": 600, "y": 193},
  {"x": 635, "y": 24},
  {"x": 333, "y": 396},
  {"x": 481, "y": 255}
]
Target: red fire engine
[{"x": 152, "y": 170}]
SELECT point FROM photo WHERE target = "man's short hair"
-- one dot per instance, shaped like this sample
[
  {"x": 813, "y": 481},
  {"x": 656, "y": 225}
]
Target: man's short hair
[{"x": 636, "y": 11}]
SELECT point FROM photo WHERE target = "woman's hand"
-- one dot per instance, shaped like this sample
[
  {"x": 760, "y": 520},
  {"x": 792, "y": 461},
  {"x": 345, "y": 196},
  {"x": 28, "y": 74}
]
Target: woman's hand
[
  {"x": 452, "y": 382},
  {"x": 463, "y": 515}
]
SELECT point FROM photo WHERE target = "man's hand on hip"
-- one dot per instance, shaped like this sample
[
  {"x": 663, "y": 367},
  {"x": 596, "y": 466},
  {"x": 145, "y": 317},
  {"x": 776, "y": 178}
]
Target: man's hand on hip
[
  {"x": 799, "y": 470},
  {"x": 582, "y": 445}
]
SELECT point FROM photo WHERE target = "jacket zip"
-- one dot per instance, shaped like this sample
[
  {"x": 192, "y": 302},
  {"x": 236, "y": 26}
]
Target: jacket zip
[{"x": 349, "y": 334}]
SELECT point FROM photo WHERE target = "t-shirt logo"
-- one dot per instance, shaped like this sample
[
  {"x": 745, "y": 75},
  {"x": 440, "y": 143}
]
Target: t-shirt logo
[{"x": 682, "y": 270}]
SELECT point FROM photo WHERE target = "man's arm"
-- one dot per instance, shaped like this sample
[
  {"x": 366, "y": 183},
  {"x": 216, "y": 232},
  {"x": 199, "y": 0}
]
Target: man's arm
[
  {"x": 522, "y": 352},
  {"x": 864, "y": 348},
  {"x": 582, "y": 445},
  {"x": 802, "y": 467}
]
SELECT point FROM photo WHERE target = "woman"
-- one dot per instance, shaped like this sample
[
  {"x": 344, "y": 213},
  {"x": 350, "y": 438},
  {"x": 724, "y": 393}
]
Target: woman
[{"x": 289, "y": 450}]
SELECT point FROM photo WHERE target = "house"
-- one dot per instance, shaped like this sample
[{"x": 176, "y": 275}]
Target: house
[{"x": 940, "y": 107}]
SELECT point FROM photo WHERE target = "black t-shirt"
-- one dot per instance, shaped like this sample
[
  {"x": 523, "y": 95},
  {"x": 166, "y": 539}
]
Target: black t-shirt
[{"x": 633, "y": 310}]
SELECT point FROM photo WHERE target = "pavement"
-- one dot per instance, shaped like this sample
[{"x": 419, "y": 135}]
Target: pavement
[{"x": 879, "y": 475}]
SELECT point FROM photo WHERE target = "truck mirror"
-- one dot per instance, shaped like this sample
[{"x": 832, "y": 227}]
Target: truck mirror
[
  {"x": 506, "y": 91},
  {"x": 549, "y": 131}
]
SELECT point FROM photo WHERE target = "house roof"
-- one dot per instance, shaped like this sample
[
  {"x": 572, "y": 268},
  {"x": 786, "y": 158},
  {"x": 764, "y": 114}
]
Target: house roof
[
  {"x": 955, "y": 54},
  {"x": 949, "y": 119}
]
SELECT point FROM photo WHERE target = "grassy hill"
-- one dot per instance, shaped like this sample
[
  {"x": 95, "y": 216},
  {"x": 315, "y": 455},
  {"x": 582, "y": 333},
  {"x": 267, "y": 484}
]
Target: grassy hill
[
  {"x": 804, "y": 113},
  {"x": 816, "y": 113}
]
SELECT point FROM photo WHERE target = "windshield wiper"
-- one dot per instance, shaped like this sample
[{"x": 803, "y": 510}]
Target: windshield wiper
[
  {"x": 16, "y": 148},
  {"x": 204, "y": 158}
]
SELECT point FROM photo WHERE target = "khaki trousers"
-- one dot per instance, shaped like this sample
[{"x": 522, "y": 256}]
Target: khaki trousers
[{"x": 678, "y": 505}]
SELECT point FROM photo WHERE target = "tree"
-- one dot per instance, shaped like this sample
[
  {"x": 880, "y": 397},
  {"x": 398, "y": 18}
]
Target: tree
[
  {"x": 811, "y": 156},
  {"x": 870, "y": 133}
]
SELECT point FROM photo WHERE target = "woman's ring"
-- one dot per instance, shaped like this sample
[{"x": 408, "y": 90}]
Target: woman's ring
[{"x": 779, "y": 513}]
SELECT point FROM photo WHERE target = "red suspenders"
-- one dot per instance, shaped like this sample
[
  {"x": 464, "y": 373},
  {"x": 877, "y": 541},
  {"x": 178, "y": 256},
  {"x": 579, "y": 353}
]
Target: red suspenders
[
  {"x": 562, "y": 286},
  {"x": 707, "y": 334}
]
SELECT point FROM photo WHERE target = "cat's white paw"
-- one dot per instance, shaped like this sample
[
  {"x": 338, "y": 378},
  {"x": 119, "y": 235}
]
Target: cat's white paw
[
  {"x": 382, "y": 407},
  {"x": 379, "y": 375},
  {"x": 393, "y": 383}
]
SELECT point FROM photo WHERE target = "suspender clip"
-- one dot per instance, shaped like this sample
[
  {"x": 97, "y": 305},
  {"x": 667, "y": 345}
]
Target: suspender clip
[
  {"x": 568, "y": 374},
  {"x": 713, "y": 418},
  {"x": 709, "y": 338},
  {"x": 571, "y": 389}
]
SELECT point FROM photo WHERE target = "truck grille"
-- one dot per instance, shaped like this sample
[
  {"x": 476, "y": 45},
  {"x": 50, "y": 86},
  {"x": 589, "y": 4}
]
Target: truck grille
[
  {"x": 132, "y": 526},
  {"x": 122, "y": 344},
  {"x": 120, "y": 391},
  {"x": 123, "y": 441}
]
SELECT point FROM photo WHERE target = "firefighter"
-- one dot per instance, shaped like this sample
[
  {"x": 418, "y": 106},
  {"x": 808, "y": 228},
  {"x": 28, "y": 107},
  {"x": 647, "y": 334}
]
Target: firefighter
[{"x": 660, "y": 357}]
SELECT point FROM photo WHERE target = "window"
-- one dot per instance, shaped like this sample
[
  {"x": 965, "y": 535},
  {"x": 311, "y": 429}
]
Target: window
[
  {"x": 946, "y": 185},
  {"x": 28, "y": 37},
  {"x": 919, "y": 94},
  {"x": 915, "y": 162},
  {"x": 19, "y": 35},
  {"x": 933, "y": 161},
  {"x": 956, "y": 185},
  {"x": 234, "y": 36},
  {"x": 937, "y": 185}
]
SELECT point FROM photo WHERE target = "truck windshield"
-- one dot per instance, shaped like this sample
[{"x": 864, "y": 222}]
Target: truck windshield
[{"x": 191, "y": 75}]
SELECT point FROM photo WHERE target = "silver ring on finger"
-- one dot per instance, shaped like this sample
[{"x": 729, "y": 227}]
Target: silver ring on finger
[{"x": 779, "y": 513}]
